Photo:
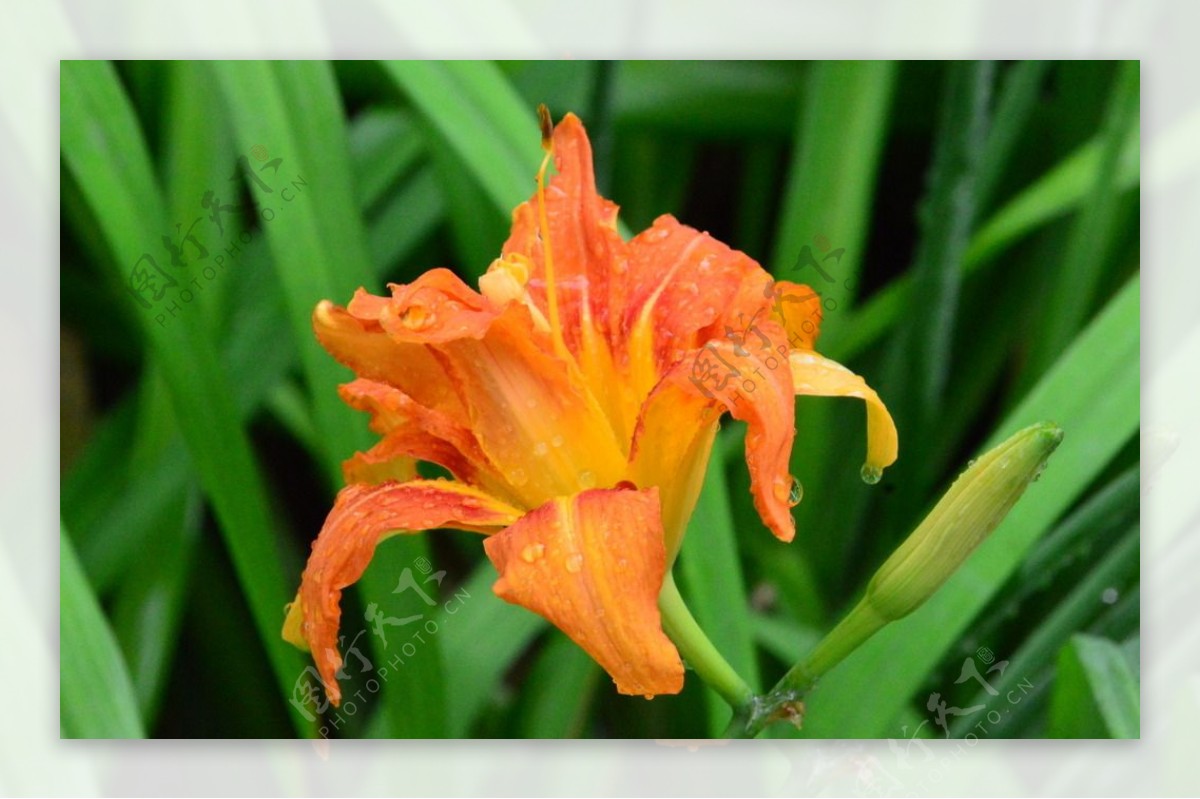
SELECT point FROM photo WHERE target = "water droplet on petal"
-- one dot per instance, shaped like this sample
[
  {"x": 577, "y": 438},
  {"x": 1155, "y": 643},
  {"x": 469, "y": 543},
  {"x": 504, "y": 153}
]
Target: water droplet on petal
[
  {"x": 788, "y": 490},
  {"x": 587, "y": 479},
  {"x": 540, "y": 448},
  {"x": 557, "y": 441},
  {"x": 574, "y": 562},
  {"x": 532, "y": 552},
  {"x": 796, "y": 493},
  {"x": 518, "y": 477},
  {"x": 871, "y": 474},
  {"x": 531, "y": 403}
]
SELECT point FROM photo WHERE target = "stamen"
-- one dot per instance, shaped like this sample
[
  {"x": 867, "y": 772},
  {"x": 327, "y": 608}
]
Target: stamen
[{"x": 560, "y": 346}]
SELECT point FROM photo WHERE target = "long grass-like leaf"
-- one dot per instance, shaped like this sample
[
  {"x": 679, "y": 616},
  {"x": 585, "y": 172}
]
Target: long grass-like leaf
[
  {"x": 713, "y": 582},
  {"x": 481, "y": 634},
  {"x": 1096, "y": 692},
  {"x": 1073, "y": 613},
  {"x": 319, "y": 246},
  {"x": 1074, "y": 285},
  {"x": 561, "y": 686},
  {"x": 1058, "y": 192},
  {"x": 1093, "y": 394},
  {"x": 841, "y": 128},
  {"x": 96, "y": 693},
  {"x": 102, "y": 146},
  {"x": 479, "y": 114}
]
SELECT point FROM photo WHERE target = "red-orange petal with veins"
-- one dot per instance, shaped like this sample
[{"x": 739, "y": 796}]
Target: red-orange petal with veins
[
  {"x": 686, "y": 287},
  {"x": 671, "y": 445},
  {"x": 593, "y": 565},
  {"x": 798, "y": 308},
  {"x": 361, "y": 344},
  {"x": 752, "y": 378},
  {"x": 435, "y": 308},
  {"x": 533, "y": 416},
  {"x": 393, "y": 412},
  {"x": 586, "y": 248},
  {"x": 361, "y": 517}
]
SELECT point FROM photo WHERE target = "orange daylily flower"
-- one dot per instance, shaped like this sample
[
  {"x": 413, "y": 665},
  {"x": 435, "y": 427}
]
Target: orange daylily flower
[{"x": 574, "y": 398}]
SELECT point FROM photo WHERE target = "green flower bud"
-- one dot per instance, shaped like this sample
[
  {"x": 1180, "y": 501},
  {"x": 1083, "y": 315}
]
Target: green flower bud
[{"x": 977, "y": 502}]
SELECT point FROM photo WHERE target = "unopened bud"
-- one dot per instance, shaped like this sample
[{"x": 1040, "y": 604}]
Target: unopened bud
[{"x": 977, "y": 502}]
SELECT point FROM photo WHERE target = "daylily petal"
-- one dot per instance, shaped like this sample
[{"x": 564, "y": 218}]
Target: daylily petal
[
  {"x": 671, "y": 447},
  {"x": 360, "y": 519},
  {"x": 818, "y": 376},
  {"x": 798, "y": 308},
  {"x": 682, "y": 282},
  {"x": 357, "y": 341},
  {"x": 589, "y": 269},
  {"x": 584, "y": 242},
  {"x": 435, "y": 308},
  {"x": 411, "y": 430},
  {"x": 533, "y": 416},
  {"x": 499, "y": 363},
  {"x": 751, "y": 378},
  {"x": 394, "y": 458},
  {"x": 593, "y": 565}
]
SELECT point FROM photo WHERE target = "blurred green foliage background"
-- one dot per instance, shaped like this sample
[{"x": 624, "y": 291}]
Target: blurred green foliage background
[{"x": 973, "y": 227}]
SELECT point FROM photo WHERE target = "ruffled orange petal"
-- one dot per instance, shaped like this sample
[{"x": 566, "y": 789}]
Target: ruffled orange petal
[
  {"x": 593, "y": 565},
  {"x": 411, "y": 430},
  {"x": 356, "y": 339},
  {"x": 817, "y": 376},
  {"x": 685, "y": 288},
  {"x": 750, "y": 376},
  {"x": 394, "y": 458},
  {"x": 532, "y": 414},
  {"x": 798, "y": 308},
  {"x": 585, "y": 244},
  {"x": 589, "y": 269},
  {"x": 671, "y": 446},
  {"x": 435, "y": 308},
  {"x": 362, "y": 517}
]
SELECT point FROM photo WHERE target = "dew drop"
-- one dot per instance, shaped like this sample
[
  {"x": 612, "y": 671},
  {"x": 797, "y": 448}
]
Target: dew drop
[
  {"x": 557, "y": 440},
  {"x": 518, "y": 477},
  {"x": 540, "y": 448},
  {"x": 795, "y": 493},
  {"x": 587, "y": 479},
  {"x": 531, "y": 403},
  {"x": 574, "y": 563},
  {"x": 532, "y": 552},
  {"x": 1109, "y": 596},
  {"x": 871, "y": 474}
]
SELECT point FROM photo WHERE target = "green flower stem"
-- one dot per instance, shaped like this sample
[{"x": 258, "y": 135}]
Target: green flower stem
[
  {"x": 786, "y": 700},
  {"x": 974, "y": 506},
  {"x": 698, "y": 651}
]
